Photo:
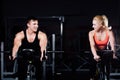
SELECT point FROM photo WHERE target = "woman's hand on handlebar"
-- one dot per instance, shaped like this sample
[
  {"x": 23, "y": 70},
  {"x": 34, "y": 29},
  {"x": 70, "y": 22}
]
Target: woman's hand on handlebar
[
  {"x": 97, "y": 58},
  {"x": 114, "y": 56}
]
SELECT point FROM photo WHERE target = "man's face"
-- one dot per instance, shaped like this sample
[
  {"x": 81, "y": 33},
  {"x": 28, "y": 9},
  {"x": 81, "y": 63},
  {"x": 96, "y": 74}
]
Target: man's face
[{"x": 33, "y": 25}]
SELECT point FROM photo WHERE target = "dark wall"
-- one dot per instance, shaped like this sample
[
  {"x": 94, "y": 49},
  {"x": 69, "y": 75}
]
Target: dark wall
[
  {"x": 23, "y": 8},
  {"x": 78, "y": 16},
  {"x": 59, "y": 7}
]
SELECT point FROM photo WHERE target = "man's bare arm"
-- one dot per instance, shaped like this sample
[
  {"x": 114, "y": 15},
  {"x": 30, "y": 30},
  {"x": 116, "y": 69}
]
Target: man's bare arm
[
  {"x": 43, "y": 42},
  {"x": 16, "y": 44}
]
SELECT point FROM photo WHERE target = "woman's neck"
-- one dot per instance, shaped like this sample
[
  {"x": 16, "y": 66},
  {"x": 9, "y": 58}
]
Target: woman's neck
[{"x": 101, "y": 30}]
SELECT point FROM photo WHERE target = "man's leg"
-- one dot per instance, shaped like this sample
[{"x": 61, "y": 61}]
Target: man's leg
[
  {"x": 38, "y": 66},
  {"x": 22, "y": 68}
]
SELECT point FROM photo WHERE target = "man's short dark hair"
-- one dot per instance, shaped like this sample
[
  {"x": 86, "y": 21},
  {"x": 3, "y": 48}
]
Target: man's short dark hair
[{"x": 31, "y": 18}]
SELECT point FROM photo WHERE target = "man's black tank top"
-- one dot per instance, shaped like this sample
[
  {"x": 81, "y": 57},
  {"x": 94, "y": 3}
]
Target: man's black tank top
[{"x": 31, "y": 45}]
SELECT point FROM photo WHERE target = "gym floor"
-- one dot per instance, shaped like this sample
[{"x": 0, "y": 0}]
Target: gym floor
[{"x": 69, "y": 75}]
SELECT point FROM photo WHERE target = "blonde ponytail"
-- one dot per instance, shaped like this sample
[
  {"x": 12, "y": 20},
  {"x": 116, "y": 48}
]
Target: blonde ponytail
[{"x": 105, "y": 21}]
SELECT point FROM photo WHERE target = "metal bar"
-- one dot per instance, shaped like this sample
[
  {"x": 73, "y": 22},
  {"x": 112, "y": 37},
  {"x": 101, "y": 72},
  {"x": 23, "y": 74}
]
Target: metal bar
[
  {"x": 114, "y": 74},
  {"x": 55, "y": 51},
  {"x": 61, "y": 25},
  {"x": 8, "y": 73},
  {"x": 44, "y": 70},
  {"x": 45, "y": 17},
  {"x": 61, "y": 30},
  {"x": 2, "y": 59},
  {"x": 53, "y": 54}
]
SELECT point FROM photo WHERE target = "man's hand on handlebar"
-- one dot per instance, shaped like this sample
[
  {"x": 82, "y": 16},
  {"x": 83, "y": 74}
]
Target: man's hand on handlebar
[
  {"x": 12, "y": 57},
  {"x": 43, "y": 57}
]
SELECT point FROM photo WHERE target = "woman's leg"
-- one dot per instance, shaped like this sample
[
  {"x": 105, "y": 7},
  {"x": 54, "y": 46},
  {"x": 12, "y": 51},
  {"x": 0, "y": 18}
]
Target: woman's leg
[{"x": 92, "y": 68}]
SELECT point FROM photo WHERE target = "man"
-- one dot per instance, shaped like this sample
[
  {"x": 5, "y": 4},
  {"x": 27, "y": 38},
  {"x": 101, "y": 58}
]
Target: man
[{"x": 33, "y": 39}]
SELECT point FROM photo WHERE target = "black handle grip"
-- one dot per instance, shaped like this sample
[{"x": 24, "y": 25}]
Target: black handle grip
[{"x": 44, "y": 54}]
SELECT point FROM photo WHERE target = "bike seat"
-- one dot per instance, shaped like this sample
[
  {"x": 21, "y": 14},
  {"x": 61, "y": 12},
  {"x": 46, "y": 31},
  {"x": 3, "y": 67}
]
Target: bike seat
[{"x": 28, "y": 50}]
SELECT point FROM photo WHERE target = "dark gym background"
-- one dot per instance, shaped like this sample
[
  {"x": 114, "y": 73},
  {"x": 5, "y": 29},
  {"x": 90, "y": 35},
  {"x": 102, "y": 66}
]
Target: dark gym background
[{"x": 77, "y": 22}]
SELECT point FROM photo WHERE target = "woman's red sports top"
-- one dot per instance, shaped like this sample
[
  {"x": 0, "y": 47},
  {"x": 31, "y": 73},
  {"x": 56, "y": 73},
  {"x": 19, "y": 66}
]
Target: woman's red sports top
[{"x": 101, "y": 43}]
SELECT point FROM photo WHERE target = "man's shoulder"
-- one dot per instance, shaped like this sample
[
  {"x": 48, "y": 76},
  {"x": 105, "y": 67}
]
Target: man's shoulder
[
  {"x": 20, "y": 34},
  {"x": 41, "y": 33}
]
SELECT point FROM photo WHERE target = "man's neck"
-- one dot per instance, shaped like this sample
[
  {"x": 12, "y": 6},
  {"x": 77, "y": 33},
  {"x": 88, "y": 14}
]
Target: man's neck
[{"x": 30, "y": 32}]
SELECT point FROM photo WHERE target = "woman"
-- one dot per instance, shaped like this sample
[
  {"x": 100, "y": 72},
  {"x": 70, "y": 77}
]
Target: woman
[{"x": 100, "y": 38}]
